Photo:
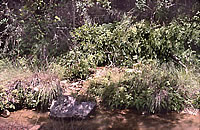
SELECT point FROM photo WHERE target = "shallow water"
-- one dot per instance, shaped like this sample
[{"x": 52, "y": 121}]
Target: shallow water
[{"x": 102, "y": 120}]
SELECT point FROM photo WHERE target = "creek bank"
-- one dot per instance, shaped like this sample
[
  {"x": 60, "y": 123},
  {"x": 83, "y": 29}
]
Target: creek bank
[{"x": 102, "y": 119}]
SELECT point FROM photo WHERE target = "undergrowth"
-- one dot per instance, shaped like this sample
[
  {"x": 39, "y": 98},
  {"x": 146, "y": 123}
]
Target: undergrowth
[
  {"x": 148, "y": 88},
  {"x": 23, "y": 88},
  {"x": 127, "y": 42},
  {"x": 153, "y": 87}
]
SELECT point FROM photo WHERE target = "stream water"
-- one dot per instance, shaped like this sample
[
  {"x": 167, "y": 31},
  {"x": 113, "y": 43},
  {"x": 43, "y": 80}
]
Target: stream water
[{"x": 101, "y": 120}]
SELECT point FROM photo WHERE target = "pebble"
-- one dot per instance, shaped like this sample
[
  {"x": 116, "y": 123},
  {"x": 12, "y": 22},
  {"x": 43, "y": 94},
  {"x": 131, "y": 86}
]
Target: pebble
[{"x": 5, "y": 114}]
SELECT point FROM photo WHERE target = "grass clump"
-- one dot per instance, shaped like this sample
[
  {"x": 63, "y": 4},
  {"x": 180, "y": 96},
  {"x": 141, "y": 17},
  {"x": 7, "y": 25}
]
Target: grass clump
[
  {"x": 148, "y": 88},
  {"x": 23, "y": 88}
]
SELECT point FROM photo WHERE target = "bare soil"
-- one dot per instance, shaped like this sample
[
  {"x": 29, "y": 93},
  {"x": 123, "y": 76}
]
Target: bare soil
[{"x": 101, "y": 120}]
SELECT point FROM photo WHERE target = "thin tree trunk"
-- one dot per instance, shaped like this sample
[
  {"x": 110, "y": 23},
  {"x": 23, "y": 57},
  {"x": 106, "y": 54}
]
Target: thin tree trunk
[{"x": 74, "y": 13}]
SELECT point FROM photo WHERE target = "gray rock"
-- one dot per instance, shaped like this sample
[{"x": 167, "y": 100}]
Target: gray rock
[{"x": 68, "y": 107}]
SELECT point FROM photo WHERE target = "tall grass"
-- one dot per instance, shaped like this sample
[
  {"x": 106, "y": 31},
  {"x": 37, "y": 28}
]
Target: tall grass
[
  {"x": 149, "y": 87},
  {"x": 22, "y": 87}
]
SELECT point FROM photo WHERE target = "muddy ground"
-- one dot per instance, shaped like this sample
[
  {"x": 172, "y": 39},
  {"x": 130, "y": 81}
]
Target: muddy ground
[{"x": 101, "y": 120}]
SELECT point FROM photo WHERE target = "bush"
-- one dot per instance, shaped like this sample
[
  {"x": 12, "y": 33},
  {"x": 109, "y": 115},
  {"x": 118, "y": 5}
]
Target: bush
[
  {"x": 57, "y": 69},
  {"x": 126, "y": 42},
  {"x": 79, "y": 70},
  {"x": 5, "y": 103},
  {"x": 152, "y": 89},
  {"x": 77, "y": 65},
  {"x": 196, "y": 102},
  {"x": 10, "y": 31}
]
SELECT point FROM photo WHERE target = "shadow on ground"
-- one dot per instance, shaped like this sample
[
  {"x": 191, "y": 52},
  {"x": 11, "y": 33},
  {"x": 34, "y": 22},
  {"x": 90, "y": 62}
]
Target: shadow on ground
[
  {"x": 127, "y": 120},
  {"x": 101, "y": 120}
]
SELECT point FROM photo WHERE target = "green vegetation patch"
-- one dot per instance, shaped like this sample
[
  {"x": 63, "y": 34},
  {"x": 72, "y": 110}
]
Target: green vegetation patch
[
  {"x": 127, "y": 42},
  {"x": 22, "y": 88},
  {"x": 148, "y": 88},
  {"x": 35, "y": 92}
]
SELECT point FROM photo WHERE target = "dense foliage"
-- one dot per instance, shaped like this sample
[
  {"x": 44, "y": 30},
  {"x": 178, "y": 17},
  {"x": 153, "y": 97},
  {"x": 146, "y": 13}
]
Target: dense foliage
[
  {"x": 126, "y": 42},
  {"x": 72, "y": 37},
  {"x": 149, "y": 88}
]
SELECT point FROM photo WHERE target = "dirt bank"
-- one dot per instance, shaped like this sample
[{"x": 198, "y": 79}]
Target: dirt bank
[{"x": 101, "y": 120}]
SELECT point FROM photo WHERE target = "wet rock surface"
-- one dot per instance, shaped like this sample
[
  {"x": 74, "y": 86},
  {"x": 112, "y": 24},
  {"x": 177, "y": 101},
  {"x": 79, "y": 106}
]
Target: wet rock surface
[{"x": 68, "y": 107}]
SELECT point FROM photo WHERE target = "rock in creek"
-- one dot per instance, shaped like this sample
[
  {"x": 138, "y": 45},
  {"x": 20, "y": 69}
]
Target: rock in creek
[
  {"x": 68, "y": 107},
  {"x": 5, "y": 113}
]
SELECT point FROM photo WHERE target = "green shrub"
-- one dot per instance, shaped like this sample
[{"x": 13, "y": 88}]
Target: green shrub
[
  {"x": 5, "y": 103},
  {"x": 79, "y": 70},
  {"x": 155, "y": 89},
  {"x": 57, "y": 69},
  {"x": 77, "y": 64},
  {"x": 126, "y": 42},
  {"x": 196, "y": 101}
]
